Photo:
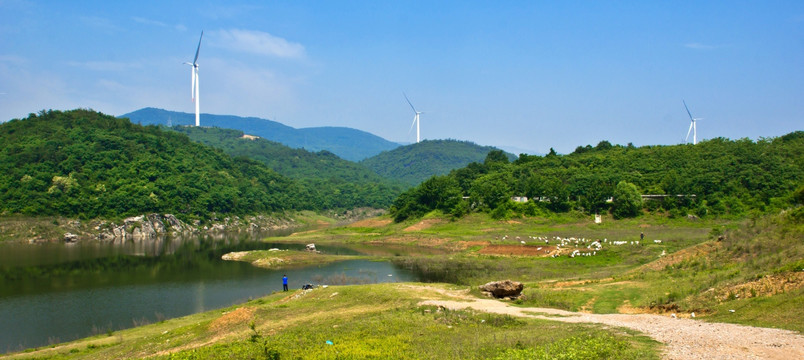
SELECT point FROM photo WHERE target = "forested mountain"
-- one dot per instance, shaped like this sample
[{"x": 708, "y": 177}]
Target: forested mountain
[
  {"x": 717, "y": 176},
  {"x": 87, "y": 164},
  {"x": 347, "y": 143},
  {"x": 415, "y": 163},
  {"x": 348, "y": 183}
]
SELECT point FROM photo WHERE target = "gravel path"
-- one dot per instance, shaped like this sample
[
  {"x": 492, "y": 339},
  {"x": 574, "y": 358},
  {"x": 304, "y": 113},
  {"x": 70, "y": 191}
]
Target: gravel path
[{"x": 684, "y": 338}]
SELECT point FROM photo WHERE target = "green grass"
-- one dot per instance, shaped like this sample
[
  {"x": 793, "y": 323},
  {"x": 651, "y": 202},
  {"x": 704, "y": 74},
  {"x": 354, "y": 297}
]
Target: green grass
[
  {"x": 362, "y": 322},
  {"x": 783, "y": 311},
  {"x": 383, "y": 320}
]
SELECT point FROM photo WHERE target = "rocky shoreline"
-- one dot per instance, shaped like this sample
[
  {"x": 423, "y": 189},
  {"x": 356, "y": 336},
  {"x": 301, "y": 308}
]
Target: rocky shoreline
[
  {"x": 153, "y": 226},
  {"x": 156, "y": 226}
]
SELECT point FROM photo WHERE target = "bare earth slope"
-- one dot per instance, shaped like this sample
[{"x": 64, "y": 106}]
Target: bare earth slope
[{"x": 684, "y": 338}]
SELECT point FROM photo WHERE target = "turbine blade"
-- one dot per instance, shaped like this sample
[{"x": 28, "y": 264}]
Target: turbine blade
[
  {"x": 688, "y": 131},
  {"x": 195, "y": 60},
  {"x": 408, "y": 100},
  {"x": 412, "y": 124},
  {"x": 688, "y": 110}
]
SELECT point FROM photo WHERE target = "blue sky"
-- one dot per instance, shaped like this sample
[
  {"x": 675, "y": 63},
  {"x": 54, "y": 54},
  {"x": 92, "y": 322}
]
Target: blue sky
[{"x": 525, "y": 76}]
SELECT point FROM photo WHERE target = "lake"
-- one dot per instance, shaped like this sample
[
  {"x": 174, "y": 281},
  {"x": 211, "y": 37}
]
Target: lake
[{"x": 52, "y": 293}]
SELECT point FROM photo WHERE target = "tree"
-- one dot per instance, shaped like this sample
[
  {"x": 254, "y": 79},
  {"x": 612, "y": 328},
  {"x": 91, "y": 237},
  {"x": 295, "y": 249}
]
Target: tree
[
  {"x": 492, "y": 190},
  {"x": 496, "y": 156},
  {"x": 627, "y": 200}
]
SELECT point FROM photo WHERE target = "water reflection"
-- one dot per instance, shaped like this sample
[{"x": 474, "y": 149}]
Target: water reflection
[{"x": 53, "y": 293}]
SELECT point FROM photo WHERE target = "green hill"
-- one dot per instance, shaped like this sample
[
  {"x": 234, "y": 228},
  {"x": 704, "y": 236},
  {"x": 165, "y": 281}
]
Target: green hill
[
  {"x": 412, "y": 164},
  {"x": 83, "y": 163},
  {"x": 347, "y": 143},
  {"x": 339, "y": 183},
  {"x": 86, "y": 164},
  {"x": 714, "y": 177}
]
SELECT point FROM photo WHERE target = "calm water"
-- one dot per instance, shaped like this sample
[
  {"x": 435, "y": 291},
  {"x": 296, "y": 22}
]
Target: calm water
[{"x": 44, "y": 298}]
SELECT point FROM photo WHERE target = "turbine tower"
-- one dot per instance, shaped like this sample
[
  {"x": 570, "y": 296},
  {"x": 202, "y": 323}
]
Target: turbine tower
[
  {"x": 693, "y": 126},
  {"x": 194, "y": 84},
  {"x": 415, "y": 119}
]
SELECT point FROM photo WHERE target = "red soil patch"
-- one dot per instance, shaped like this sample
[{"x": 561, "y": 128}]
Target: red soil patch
[
  {"x": 468, "y": 244},
  {"x": 517, "y": 250}
]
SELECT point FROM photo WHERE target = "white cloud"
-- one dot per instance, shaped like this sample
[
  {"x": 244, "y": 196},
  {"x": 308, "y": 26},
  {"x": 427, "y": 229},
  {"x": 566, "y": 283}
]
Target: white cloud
[
  {"x": 257, "y": 42},
  {"x": 145, "y": 21}
]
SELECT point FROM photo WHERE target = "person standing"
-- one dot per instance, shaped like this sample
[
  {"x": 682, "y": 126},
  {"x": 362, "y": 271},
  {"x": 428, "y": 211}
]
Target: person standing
[
  {"x": 641, "y": 236},
  {"x": 284, "y": 283}
]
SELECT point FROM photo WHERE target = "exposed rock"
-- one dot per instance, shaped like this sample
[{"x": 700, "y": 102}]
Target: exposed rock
[
  {"x": 157, "y": 224},
  {"x": 691, "y": 217},
  {"x": 310, "y": 247},
  {"x": 237, "y": 255},
  {"x": 503, "y": 289},
  {"x": 173, "y": 221},
  {"x": 134, "y": 219},
  {"x": 70, "y": 237}
]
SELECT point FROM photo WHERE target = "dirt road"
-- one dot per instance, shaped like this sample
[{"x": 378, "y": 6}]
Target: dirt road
[{"x": 684, "y": 338}]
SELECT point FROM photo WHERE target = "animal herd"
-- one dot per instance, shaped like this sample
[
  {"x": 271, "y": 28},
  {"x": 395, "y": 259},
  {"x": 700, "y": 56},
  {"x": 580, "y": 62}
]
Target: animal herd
[{"x": 580, "y": 246}]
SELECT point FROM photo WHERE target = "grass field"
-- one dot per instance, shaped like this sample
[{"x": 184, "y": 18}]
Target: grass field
[
  {"x": 354, "y": 322},
  {"x": 754, "y": 267}
]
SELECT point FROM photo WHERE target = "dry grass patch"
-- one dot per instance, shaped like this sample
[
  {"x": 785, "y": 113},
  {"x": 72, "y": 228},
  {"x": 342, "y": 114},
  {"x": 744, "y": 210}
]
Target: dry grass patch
[
  {"x": 371, "y": 223},
  {"x": 768, "y": 285},
  {"x": 422, "y": 225},
  {"x": 700, "y": 250},
  {"x": 239, "y": 316},
  {"x": 627, "y": 308}
]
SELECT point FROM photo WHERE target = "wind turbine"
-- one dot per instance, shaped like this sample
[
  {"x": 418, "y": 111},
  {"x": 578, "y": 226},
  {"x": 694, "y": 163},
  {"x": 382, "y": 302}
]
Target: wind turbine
[
  {"x": 415, "y": 118},
  {"x": 693, "y": 126},
  {"x": 194, "y": 86}
]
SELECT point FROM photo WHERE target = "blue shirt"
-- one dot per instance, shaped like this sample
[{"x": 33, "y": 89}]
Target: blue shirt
[{"x": 284, "y": 280}]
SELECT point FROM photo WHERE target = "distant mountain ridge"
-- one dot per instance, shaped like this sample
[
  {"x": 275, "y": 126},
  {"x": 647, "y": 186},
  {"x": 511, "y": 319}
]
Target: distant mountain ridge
[
  {"x": 347, "y": 143},
  {"x": 415, "y": 163}
]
